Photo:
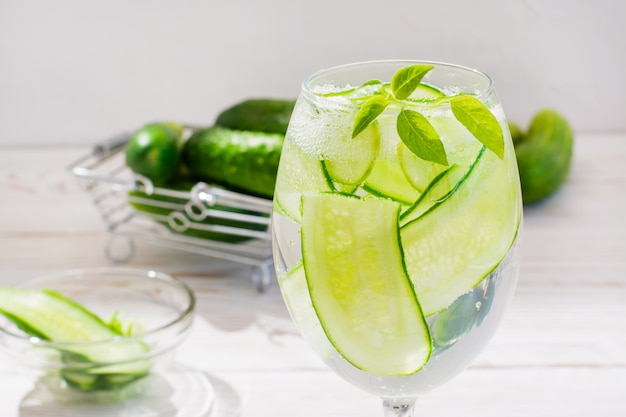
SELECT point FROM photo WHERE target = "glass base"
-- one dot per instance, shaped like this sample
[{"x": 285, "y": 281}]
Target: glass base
[
  {"x": 180, "y": 392},
  {"x": 398, "y": 408}
]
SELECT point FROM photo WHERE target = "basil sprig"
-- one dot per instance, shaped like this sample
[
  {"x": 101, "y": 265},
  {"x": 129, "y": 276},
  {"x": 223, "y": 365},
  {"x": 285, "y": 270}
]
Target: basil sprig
[{"x": 414, "y": 129}]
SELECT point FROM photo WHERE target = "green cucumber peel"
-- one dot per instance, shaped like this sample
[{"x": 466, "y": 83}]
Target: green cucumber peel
[
  {"x": 413, "y": 127},
  {"x": 442, "y": 199},
  {"x": 23, "y": 325},
  {"x": 420, "y": 207},
  {"x": 118, "y": 324},
  {"x": 426, "y": 192},
  {"x": 82, "y": 308}
]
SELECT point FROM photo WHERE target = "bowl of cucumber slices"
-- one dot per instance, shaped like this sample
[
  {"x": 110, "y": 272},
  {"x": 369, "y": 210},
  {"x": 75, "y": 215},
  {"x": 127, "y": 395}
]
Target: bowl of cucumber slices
[{"x": 95, "y": 334}]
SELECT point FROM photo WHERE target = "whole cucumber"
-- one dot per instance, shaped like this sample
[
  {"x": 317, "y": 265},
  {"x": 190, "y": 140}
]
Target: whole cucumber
[
  {"x": 268, "y": 115},
  {"x": 238, "y": 159},
  {"x": 544, "y": 155}
]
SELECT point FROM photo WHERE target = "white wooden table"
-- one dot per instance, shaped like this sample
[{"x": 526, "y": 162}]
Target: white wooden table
[{"x": 561, "y": 350}]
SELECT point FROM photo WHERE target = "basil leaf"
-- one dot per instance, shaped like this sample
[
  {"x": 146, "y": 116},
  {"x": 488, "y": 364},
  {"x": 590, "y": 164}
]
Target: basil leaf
[
  {"x": 368, "y": 112},
  {"x": 481, "y": 123},
  {"x": 420, "y": 137},
  {"x": 406, "y": 80}
]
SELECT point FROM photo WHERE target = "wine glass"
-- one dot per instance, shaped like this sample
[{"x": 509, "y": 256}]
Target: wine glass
[{"x": 396, "y": 222}]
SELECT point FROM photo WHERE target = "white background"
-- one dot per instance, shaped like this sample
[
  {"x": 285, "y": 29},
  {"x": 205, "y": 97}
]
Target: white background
[{"x": 77, "y": 71}]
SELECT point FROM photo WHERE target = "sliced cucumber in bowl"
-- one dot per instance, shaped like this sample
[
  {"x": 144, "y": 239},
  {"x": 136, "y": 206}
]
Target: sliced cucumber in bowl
[
  {"x": 93, "y": 353},
  {"x": 56, "y": 325}
]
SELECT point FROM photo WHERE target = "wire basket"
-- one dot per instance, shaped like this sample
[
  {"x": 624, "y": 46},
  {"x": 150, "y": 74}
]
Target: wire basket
[{"x": 203, "y": 218}]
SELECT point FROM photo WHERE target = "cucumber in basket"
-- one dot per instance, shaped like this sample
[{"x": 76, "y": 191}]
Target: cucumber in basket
[
  {"x": 240, "y": 152},
  {"x": 160, "y": 207},
  {"x": 241, "y": 160},
  {"x": 268, "y": 115}
]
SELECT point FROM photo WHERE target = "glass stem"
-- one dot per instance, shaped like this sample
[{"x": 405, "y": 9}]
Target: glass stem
[{"x": 399, "y": 407}]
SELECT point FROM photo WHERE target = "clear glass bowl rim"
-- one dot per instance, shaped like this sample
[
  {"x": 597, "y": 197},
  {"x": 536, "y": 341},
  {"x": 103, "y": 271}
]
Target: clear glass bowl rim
[{"x": 122, "y": 272}]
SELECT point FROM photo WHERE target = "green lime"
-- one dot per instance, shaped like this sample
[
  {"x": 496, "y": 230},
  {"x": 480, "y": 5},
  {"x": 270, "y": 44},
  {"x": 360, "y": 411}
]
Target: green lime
[
  {"x": 154, "y": 151},
  {"x": 544, "y": 156}
]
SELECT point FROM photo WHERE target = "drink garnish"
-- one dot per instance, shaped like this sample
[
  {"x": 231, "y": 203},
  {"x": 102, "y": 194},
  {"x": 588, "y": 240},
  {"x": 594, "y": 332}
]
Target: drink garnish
[{"x": 413, "y": 127}]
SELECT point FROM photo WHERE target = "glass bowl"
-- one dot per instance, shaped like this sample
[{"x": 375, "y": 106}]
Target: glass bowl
[{"x": 158, "y": 309}]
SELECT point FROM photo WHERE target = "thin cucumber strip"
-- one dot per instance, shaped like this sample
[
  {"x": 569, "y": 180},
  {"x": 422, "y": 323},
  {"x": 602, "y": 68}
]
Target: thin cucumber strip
[
  {"x": 439, "y": 190},
  {"x": 423, "y": 92},
  {"x": 426, "y": 93},
  {"x": 387, "y": 180},
  {"x": 453, "y": 245},
  {"x": 52, "y": 316},
  {"x": 296, "y": 293},
  {"x": 455, "y": 321},
  {"x": 419, "y": 172},
  {"x": 304, "y": 174},
  {"x": 425, "y": 199},
  {"x": 85, "y": 381},
  {"x": 358, "y": 283},
  {"x": 357, "y": 158},
  {"x": 76, "y": 333},
  {"x": 437, "y": 201}
]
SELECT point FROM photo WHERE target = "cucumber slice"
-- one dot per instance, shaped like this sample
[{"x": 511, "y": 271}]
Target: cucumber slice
[
  {"x": 422, "y": 93},
  {"x": 419, "y": 172},
  {"x": 456, "y": 243},
  {"x": 89, "y": 366},
  {"x": 357, "y": 159},
  {"x": 456, "y": 320},
  {"x": 296, "y": 293},
  {"x": 439, "y": 189},
  {"x": 425, "y": 93},
  {"x": 358, "y": 284},
  {"x": 293, "y": 284},
  {"x": 388, "y": 180},
  {"x": 300, "y": 172},
  {"x": 52, "y": 316},
  {"x": 86, "y": 380}
]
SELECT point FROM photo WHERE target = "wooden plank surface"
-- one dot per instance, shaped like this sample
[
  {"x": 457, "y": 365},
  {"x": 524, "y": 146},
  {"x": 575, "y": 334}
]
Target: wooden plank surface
[{"x": 560, "y": 351}]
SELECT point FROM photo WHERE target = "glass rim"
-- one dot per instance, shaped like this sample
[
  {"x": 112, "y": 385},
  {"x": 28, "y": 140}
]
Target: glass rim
[{"x": 306, "y": 86}]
